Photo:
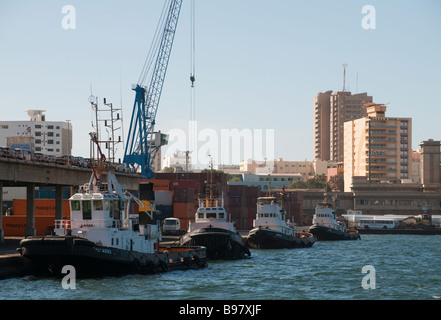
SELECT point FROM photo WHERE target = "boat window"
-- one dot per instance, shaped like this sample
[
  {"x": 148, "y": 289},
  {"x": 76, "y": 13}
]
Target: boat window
[
  {"x": 200, "y": 215},
  {"x": 98, "y": 205},
  {"x": 87, "y": 210},
  {"x": 211, "y": 215},
  {"x": 108, "y": 207},
  {"x": 221, "y": 215},
  {"x": 116, "y": 214},
  {"x": 75, "y": 205}
]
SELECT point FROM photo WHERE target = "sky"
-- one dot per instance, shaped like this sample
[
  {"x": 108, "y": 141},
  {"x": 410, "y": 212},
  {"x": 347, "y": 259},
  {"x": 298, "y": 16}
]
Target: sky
[{"x": 258, "y": 66}]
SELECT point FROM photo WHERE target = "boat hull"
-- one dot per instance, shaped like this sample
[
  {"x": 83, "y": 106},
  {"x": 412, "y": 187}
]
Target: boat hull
[
  {"x": 323, "y": 233},
  {"x": 261, "y": 238},
  {"x": 51, "y": 253},
  {"x": 221, "y": 244}
]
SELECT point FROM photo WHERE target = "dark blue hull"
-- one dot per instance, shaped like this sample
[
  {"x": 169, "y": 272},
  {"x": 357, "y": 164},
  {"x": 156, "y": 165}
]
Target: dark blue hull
[
  {"x": 221, "y": 244},
  {"x": 323, "y": 233},
  {"x": 51, "y": 253},
  {"x": 261, "y": 238}
]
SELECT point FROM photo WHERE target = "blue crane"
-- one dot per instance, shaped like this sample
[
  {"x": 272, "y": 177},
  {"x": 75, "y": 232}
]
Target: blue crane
[{"x": 143, "y": 142}]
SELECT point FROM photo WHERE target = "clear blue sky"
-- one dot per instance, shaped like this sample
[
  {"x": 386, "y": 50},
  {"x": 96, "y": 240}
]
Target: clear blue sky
[{"x": 258, "y": 63}]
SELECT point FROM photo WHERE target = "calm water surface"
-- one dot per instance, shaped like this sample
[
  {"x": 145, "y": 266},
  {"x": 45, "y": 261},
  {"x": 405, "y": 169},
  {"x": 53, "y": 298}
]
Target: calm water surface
[{"x": 406, "y": 267}]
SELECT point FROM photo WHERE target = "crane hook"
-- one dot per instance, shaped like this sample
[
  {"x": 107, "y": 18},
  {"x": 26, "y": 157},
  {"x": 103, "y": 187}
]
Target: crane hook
[{"x": 192, "y": 79}]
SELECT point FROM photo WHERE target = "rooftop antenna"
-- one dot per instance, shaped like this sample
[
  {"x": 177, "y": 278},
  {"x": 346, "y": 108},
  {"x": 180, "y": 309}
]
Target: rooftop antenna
[{"x": 344, "y": 76}]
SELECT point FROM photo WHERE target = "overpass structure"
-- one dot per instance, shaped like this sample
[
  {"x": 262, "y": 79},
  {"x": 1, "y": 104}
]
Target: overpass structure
[{"x": 20, "y": 173}]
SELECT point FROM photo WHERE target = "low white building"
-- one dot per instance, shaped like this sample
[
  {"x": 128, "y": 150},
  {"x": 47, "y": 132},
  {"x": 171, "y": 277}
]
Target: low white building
[
  {"x": 37, "y": 134},
  {"x": 179, "y": 160},
  {"x": 263, "y": 181}
]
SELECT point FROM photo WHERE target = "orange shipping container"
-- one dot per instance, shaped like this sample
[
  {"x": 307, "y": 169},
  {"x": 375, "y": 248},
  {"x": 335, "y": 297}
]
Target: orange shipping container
[
  {"x": 43, "y": 207},
  {"x": 183, "y": 210},
  {"x": 158, "y": 184},
  {"x": 185, "y": 222},
  {"x": 16, "y": 225}
]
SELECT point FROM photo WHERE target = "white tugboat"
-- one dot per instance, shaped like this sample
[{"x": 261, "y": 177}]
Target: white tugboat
[
  {"x": 326, "y": 227},
  {"x": 212, "y": 230},
  {"x": 102, "y": 238},
  {"x": 271, "y": 230}
]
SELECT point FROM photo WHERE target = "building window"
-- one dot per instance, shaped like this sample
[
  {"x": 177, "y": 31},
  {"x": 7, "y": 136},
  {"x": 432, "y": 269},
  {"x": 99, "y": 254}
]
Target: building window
[{"x": 37, "y": 133}]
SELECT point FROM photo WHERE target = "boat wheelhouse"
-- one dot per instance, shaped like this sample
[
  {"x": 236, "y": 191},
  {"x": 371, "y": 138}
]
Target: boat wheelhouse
[
  {"x": 212, "y": 230},
  {"x": 272, "y": 230},
  {"x": 325, "y": 225}
]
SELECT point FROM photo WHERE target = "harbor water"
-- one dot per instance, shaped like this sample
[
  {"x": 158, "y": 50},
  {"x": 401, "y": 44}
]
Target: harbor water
[{"x": 377, "y": 267}]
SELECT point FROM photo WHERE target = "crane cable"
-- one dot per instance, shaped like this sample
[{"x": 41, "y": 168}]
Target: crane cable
[
  {"x": 192, "y": 62},
  {"x": 154, "y": 47}
]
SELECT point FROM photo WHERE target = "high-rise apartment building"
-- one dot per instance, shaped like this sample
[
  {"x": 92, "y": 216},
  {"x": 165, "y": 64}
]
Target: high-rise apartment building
[
  {"x": 331, "y": 110},
  {"x": 377, "y": 147}
]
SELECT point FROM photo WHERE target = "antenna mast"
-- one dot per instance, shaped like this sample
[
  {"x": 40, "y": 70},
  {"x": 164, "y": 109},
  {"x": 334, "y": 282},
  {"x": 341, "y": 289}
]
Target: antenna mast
[{"x": 344, "y": 76}]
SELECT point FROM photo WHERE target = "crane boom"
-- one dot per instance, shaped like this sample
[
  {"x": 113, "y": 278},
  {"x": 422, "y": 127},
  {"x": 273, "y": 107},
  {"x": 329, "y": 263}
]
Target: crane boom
[{"x": 142, "y": 147}]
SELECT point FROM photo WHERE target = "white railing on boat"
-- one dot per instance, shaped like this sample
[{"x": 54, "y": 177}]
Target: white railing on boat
[{"x": 62, "y": 224}]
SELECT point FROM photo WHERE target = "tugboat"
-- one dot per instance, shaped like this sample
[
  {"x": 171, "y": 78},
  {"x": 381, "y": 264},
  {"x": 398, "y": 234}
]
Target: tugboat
[
  {"x": 272, "y": 230},
  {"x": 212, "y": 230},
  {"x": 326, "y": 227},
  {"x": 102, "y": 238}
]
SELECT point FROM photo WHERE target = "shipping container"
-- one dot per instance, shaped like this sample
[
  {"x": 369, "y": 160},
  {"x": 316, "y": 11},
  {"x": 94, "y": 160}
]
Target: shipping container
[
  {"x": 11, "y": 193},
  {"x": 163, "y": 212},
  {"x": 163, "y": 198},
  {"x": 234, "y": 201},
  {"x": 42, "y": 207},
  {"x": 184, "y": 210},
  {"x": 146, "y": 191},
  {"x": 184, "y": 195},
  {"x": 158, "y": 184},
  {"x": 15, "y": 226},
  {"x": 185, "y": 222},
  {"x": 185, "y": 184}
]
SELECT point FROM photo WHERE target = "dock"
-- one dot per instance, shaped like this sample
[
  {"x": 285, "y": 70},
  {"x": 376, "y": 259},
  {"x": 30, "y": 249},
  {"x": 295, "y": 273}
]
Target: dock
[
  {"x": 415, "y": 231},
  {"x": 12, "y": 264}
]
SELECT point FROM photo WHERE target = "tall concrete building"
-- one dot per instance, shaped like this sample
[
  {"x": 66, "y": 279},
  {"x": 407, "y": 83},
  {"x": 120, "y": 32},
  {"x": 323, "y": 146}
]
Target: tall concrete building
[
  {"x": 431, "y": 165},
  {"x": 377, "y": 147},
  {"x": 331, "y": 110},
  {"x": 37, "y": 134}
]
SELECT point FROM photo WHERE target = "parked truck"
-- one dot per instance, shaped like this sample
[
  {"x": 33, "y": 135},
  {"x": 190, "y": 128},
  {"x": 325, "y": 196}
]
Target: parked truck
[{"x": 172, "y": 226}]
